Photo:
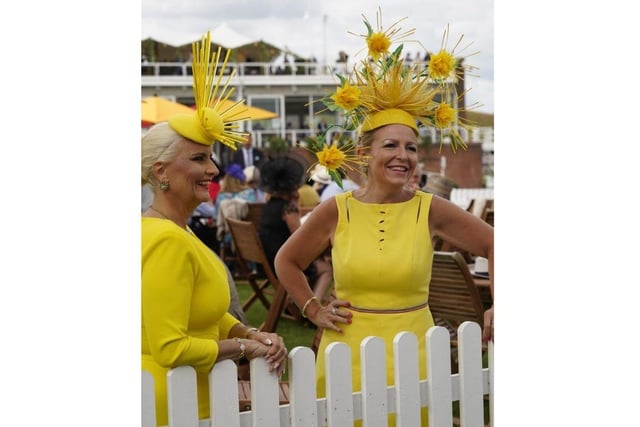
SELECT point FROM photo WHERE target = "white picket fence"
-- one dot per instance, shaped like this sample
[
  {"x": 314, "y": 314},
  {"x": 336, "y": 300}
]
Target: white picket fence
[{"x": 341, "y": 406}]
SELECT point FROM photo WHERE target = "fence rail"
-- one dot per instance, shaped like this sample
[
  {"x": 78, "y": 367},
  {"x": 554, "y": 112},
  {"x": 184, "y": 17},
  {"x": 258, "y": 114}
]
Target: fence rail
[{"x": 341, "y": 406}]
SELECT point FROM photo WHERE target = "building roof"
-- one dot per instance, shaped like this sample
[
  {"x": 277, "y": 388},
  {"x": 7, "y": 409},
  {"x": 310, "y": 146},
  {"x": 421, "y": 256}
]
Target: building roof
[{"x": 224, "y": 36}]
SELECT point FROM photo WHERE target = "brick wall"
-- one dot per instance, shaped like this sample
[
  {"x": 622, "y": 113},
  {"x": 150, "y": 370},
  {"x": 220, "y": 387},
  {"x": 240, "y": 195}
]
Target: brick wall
[{"x": 464, "y": 167}]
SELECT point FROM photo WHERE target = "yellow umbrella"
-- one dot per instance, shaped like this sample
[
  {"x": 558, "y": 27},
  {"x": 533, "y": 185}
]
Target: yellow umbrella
[
  {"x": 254, "y": 113},
  {"x": 157, "y": 109}
]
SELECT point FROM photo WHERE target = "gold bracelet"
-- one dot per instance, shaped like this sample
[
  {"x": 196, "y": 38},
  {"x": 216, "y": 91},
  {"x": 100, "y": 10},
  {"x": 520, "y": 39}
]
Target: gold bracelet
[
  {"x": 306, "y": 305},
  {"x": 246, "y": 335}
]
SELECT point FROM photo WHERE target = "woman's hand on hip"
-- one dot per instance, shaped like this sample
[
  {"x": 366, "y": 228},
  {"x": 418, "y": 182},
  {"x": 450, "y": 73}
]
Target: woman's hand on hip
[{"x": 335, "y": 312}]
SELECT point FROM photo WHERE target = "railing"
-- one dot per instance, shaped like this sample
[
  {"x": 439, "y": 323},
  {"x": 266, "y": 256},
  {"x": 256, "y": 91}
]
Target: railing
[
  {"x": 463, "y": 196},
  {"x": 342, "y": 406},
  {"x": 252, "y": 68}
]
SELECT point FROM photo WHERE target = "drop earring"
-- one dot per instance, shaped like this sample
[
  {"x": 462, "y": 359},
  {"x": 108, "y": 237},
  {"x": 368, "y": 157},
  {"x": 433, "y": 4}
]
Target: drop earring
[{"x": 164, "y": 185}]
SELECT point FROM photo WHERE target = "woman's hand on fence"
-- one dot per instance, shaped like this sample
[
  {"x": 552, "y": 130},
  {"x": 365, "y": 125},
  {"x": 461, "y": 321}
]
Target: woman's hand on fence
[
  {"x": 271, "y": 347},
  {"x": 335, "y": 312}
]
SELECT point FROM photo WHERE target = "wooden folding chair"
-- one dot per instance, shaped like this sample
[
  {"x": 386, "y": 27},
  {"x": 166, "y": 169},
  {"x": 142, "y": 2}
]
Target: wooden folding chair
[
  {"x": 249, "y": 249},
  {"x": 453, "y": 295},
  {"x": 488, "y": 216},
  {"x": 488, "y": 207},
  {"x": 255, "y": 213}
]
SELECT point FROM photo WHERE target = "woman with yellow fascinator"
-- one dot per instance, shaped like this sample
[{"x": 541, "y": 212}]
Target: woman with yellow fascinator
[
  {"x": 381, "y": 234},
  {"x": 185, "y": 294}
]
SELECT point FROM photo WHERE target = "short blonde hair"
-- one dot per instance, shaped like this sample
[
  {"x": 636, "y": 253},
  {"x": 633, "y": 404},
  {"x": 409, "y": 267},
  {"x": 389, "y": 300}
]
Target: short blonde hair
[
  {"x": 160, "y": 143},
  {"x": 232, "y": 184}
]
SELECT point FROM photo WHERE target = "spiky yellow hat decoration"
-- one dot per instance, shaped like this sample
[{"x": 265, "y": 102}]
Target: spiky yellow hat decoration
[
  {"x": 382, "y": 89},
  {"x": 210, "y": 123}
]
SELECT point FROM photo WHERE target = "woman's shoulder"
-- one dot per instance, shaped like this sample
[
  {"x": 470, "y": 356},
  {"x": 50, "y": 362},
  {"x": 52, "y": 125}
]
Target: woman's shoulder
[{"x": 158, "y": 229}]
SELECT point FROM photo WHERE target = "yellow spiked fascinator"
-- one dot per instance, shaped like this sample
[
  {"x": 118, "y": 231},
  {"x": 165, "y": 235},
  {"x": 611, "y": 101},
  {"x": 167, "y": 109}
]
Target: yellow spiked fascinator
[
  {"x": 383, "y": 89},
  {"x": 210, "y": 122}
]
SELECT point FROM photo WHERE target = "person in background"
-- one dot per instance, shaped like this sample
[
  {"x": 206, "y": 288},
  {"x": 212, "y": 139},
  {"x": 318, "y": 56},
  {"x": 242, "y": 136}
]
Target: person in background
[
  {"x": 417, "y": 180},
  {"x": 231, "y": 203},
  {"x": 252, "y": 175},
  {"x": 281, "y": 179},
  {"x": 309, "y": 197},
  {"x": 203, "y": 219},
  {"x": 184, "y": 286},
  {"x": 233, "y": 185},
  {"x": 380, "y": 234},
  {"x": 439, "y": 185},
  {"x": 214, "y": 185},
  {"x": 320, "y": 178},
  {"x": 351, "y": 180},
  {"x": 248, "y": 155}
]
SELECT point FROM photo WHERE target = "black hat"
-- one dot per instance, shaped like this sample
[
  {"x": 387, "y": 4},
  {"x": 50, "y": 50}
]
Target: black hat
[{"x": 281, "y": 175}]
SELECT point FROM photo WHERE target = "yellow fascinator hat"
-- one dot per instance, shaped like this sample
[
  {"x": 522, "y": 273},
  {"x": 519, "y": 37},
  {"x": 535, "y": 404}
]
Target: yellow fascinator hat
[
  {"x": 383, "y": 89},
  {"x": 210, "y": 122}
]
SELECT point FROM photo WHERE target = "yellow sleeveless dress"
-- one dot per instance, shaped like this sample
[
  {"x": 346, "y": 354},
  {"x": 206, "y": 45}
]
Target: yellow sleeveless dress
[{"x": 382, "y": 256}]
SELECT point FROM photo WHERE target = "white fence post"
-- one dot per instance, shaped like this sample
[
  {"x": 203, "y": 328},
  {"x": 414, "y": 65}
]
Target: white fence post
[
  {"x": 341, "y": 406},
  {"x": 265, "y": 392},
  {"x": 223, "y": 398},
  {"x": 374, "y": 382},
  {"x": 339, "y": 388},
  {"x": 491, "y": 371},
  {"x": 470, "y": 368},
  {"x": 182, "y": 397},
  {"x": 302, "y": 388},
  {"x": 439, "y": 374},
  {"x": 406, "y": 379},
  {"x": 148, "y": 401}
]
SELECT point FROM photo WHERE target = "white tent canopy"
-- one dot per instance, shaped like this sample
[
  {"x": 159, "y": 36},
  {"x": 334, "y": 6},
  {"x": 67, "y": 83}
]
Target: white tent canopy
[
  {"x": 227, "y": 37},
  {"x": 222, "y": 35}
]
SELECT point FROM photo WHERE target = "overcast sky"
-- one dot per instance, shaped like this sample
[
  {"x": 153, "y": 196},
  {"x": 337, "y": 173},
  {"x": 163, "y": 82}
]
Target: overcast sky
[{"x": 319, "y": 28}]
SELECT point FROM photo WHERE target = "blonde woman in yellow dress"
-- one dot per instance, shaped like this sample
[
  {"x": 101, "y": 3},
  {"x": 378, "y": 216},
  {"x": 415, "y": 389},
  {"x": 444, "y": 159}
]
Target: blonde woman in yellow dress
[
  {"x": 185, "y": 294},
  {"x": 380, "y": 235}
]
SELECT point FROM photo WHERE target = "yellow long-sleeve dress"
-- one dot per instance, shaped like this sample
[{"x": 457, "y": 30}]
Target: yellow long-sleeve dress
[
  {"x": 382, "y": 256},
  {"x": 185, "y": 298}
]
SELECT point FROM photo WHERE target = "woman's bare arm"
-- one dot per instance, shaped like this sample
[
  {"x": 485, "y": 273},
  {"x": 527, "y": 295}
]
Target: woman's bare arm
[{"x": 304, "y": 246}]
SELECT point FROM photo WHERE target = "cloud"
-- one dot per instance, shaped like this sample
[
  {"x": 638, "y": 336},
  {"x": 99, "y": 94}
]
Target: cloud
[{"x": 319, "y": 29}]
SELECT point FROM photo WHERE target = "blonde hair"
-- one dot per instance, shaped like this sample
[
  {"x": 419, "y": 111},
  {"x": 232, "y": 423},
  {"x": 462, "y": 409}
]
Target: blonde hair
[
  {"x": 232, "y": 184},
  {"x": 160, "y": 143}
]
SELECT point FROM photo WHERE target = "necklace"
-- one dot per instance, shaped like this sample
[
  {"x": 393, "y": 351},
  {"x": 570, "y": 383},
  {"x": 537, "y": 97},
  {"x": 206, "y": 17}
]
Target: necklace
[{"x": 166, "y": 217}]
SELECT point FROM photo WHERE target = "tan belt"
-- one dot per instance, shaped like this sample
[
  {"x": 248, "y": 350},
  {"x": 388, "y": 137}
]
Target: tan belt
[{"x": 388, "y": 311}]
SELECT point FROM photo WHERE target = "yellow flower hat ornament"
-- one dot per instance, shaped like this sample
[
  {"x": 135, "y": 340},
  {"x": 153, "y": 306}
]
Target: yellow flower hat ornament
[
  {"x": 210, "y": 122},
  {"x": 383, "y": 89}
]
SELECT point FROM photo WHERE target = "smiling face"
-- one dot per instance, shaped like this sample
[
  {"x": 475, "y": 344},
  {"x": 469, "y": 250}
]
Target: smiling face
[
  {"x": 189, "y": 174},
  {"x": 393, "y": 155}
]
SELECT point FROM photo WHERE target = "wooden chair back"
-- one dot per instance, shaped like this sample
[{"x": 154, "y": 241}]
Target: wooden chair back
[
  {"x": 488, "y": 216},
  {"x": 453, "y": 296},
  {"x": 249, "y": 250}
]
